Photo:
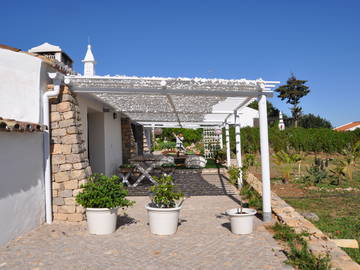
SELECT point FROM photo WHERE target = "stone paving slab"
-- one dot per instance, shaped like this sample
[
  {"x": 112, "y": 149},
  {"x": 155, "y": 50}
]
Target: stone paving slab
[{"x": 203, "y": 241}]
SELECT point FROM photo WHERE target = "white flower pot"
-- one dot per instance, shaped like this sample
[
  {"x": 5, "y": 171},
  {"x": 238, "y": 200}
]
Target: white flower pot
[
  {"x": 163, "y": 221},
  {"x": 101, "y": 220},
  {"x": 241, "y": 223}
]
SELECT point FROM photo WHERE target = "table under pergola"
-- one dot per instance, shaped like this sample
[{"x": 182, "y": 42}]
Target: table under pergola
[{"x": 187, "y": 103}]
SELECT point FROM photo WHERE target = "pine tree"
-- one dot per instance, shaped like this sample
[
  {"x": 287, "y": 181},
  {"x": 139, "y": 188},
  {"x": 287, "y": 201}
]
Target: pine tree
[{"x": 293, "y": 91}]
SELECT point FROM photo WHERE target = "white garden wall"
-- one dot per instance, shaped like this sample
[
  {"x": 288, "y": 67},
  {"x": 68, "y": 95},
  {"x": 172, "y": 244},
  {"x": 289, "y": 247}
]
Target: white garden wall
[
  {"x": 21, "y": 184},
  {"x": 20, "y": 94}
]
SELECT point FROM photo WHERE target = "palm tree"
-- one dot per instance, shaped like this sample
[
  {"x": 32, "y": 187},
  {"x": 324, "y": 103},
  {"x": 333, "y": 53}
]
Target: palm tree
[
  {"x": 286, "y": 162},
  {"x": 352, "y": 153}
]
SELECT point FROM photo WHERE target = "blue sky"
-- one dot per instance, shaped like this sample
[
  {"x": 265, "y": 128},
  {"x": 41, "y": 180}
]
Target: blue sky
[{"x": 317, "y": 40}]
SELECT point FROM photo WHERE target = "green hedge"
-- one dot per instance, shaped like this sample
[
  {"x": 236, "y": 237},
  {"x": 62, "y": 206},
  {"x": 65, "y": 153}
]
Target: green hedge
[{"x": 300, "y": 139}]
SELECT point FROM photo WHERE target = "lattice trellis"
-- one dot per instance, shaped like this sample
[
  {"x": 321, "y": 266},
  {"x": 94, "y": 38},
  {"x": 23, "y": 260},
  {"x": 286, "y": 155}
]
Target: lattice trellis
[{"x": 211, "y": 142}]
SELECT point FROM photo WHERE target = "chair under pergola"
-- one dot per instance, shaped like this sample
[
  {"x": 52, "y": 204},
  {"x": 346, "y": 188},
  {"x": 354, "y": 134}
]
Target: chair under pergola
[{"x": 187, "y": 103}]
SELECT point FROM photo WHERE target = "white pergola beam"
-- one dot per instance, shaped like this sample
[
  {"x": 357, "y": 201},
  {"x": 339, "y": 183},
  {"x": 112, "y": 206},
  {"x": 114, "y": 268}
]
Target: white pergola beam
[
  {"x": 200, "y": 92},
  {"x": 243, "y": 104}
]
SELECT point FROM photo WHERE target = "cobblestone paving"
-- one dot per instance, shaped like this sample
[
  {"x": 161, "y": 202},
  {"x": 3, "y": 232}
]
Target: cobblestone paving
[{"x": 203, "y": 241}]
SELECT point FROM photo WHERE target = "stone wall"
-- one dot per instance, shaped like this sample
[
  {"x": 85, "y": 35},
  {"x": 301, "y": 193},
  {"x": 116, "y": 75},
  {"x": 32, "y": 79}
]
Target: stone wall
[
  {"x": 138, "y": 133},
  {"x": 70, "y": 165},
  {"x": 128, "y": 141}
]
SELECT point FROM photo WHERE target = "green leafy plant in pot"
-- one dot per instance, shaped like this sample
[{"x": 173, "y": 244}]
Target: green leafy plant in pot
[
  {"x": 164, "y": 208},
  {"x": 102, "y": 196}
]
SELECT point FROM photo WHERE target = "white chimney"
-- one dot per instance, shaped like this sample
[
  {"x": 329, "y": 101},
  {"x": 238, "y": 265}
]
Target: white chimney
[{"x": 89, "y": 63}]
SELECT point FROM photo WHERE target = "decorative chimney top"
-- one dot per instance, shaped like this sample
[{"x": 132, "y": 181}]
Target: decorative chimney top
[
  {"x": 52, "y": 52},
  {"x": 89, "y": 63},
  {"x": 281, "y": 122}
]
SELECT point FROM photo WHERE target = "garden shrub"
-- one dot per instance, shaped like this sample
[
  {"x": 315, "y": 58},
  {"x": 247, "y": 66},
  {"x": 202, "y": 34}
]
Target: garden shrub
[{"x": 102, "y": 191}]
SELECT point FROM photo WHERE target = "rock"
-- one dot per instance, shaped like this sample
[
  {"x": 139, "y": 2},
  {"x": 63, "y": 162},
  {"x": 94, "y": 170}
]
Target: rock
[
  {"x": 310, "y": 216},
  {"x": 195, "y": 162},
  {"x": 346, "y": 243}
]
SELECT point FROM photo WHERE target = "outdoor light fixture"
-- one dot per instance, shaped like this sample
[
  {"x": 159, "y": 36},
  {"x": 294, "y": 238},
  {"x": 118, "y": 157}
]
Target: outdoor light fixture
[{"x": 115, "y": 115}]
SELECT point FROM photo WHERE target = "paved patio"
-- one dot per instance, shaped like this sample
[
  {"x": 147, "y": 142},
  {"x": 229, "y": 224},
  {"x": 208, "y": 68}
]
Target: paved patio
[{"x": 203, "y": 240}]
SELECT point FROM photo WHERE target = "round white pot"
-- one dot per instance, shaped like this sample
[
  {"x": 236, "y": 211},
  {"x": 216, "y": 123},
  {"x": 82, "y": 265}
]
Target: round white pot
[
  {"x": 241, "y": 223},
  {"x": 163, "y": 221},
  {"x": 101, "y": 220}
]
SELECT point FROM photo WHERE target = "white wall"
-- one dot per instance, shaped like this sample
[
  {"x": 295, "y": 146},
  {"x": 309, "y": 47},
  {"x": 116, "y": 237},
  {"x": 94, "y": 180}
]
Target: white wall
[
  {"x": 23, "y": 80},
  {"x": 21, "y": 184},
  {"x": 87, "y": 105},
  {"x": 113, "y": 143},
  {"x": 20, "y": 93},
  {"x": 96, "y": 142},
  {"x": 247, "y": 116}
]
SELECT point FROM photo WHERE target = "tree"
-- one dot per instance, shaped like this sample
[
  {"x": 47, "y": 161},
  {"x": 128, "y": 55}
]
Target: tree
[
  {"x": 313, "y": 121},
  {"x": 271, "y": 110},
  {"x": 293, "y": 91}
]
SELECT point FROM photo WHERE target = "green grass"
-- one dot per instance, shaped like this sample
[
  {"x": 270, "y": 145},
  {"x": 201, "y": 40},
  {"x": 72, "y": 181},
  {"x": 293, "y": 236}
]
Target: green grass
[
  {"x": 339, "y": 216},
  {"x": 211, "y": 164},
  {"x": 298, "y": 253}
]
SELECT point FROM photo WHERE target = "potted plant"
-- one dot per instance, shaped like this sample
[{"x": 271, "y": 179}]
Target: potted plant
[
  {"x": 241, "y": 219},
  {"x": 102, "y": 196},
  {"x": 164, "y": 209}
]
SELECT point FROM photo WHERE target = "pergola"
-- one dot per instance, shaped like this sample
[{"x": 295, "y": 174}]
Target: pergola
[{"x": 187, "y": 103}]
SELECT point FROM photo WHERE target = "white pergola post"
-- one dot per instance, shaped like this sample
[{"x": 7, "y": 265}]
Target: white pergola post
[
  {"x": 238, "y": 146},
  {"x": 153, "y": 134},
  {"x": 265, "y": 165},
  {"x": 227, "y": 139},
  {"x": 221, "y": 138}
]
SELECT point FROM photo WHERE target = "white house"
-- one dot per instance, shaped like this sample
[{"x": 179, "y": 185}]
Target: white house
[
  {"x": 94, "y": 124},
  {"x": 25, "y": 79},
  {"x": 348, "y": 127}
]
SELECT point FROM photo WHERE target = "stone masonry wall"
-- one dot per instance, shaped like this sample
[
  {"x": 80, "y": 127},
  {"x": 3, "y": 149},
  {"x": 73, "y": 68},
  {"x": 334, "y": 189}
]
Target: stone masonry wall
[
  {"x": 70, "y": 165},
  {"x": 128, "y": 140}
]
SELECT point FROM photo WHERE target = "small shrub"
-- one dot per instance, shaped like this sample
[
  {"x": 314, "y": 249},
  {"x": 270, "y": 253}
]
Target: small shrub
[
  {"x": 220, "y": 155},
  {"x": 338, "y": 172},
  {"x": 253, "y": 198},
  {"x": 103, "y": 192},
  {"x": 234, "y": 174},
  {"x": 163, "y": 194},
  {"x": 316, "y": 175}
]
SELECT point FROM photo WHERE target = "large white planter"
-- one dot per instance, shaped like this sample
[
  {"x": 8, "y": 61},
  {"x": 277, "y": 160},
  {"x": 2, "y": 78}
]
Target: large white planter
[
  {"x": 241, "y": 223},
  {"x": 163, "y": 221},
  {"x": 101, "y": 220}
]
